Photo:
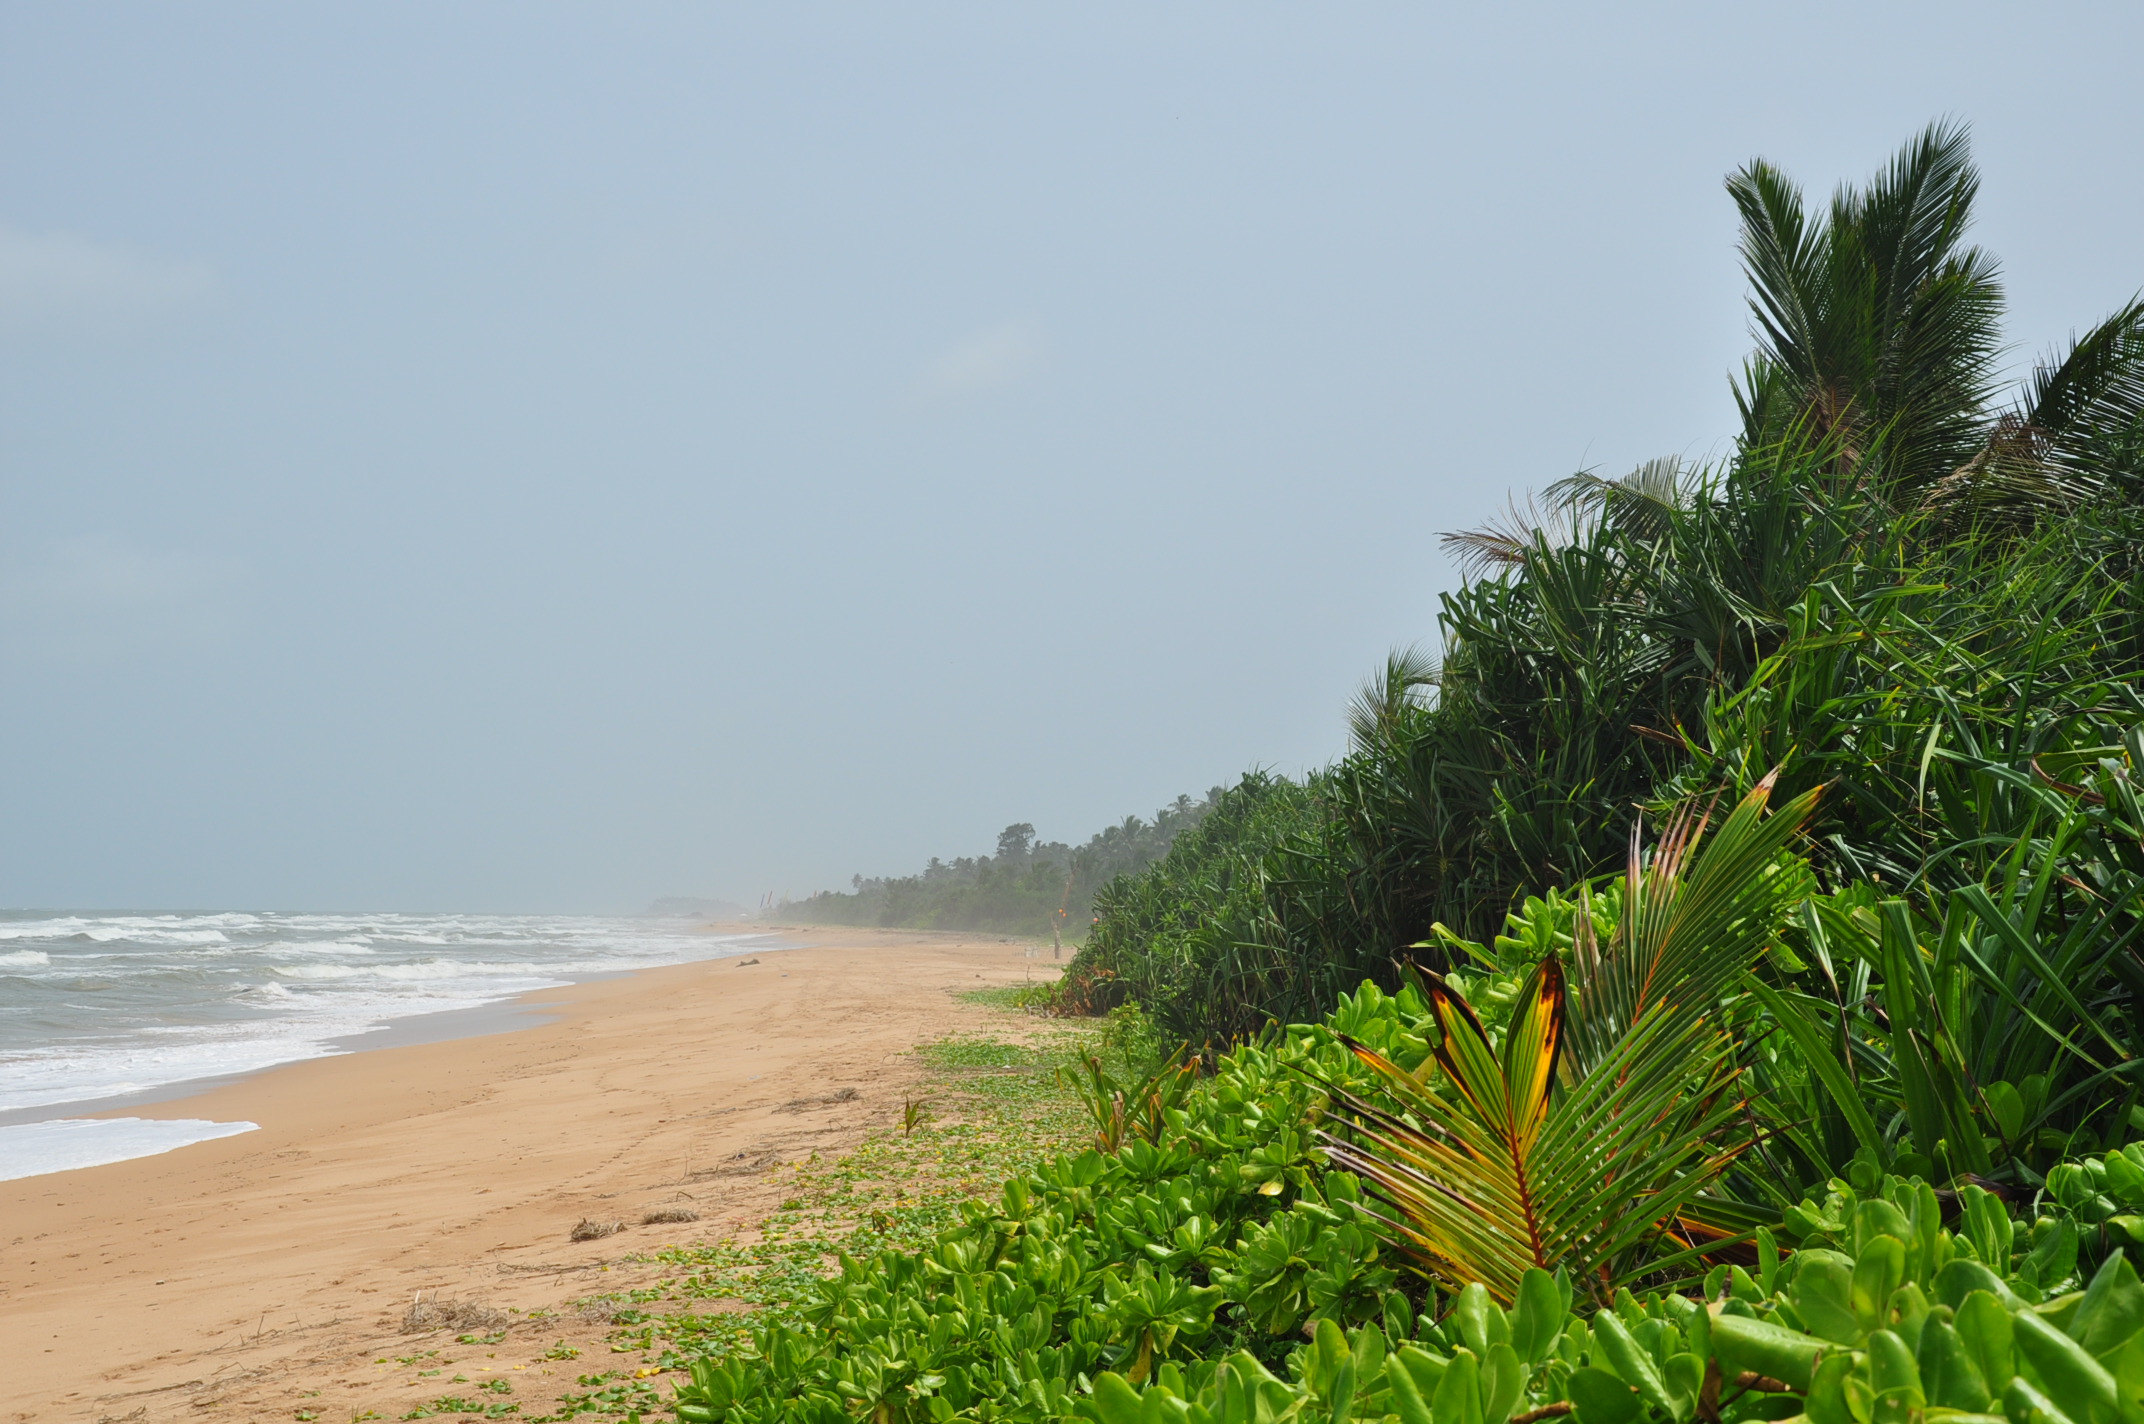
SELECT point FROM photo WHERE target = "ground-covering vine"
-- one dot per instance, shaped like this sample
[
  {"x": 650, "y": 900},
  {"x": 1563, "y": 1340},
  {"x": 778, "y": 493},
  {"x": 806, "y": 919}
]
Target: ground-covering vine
[
  {"x": 1884, "y": 1313},
  {"x": 1225, "y": 1234}
]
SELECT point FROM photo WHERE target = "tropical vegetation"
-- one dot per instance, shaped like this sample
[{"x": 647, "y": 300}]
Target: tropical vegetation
[
  {"x": 1709, "y": 989},
  {"x": 1903, "y": 583},
  {"x": 1026, "y": 887}
]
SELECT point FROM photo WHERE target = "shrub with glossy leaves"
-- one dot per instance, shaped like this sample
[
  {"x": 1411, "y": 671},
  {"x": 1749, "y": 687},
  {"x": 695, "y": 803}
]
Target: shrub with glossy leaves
[{"x": 1901, "y": 1320}]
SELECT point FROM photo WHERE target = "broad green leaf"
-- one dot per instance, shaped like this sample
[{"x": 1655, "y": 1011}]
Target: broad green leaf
[
  {"x": 1458, "y": 1397},
  {"x": 1761, "y": 1347},
  {"x": 2076, "y": 1382},
  {"x": 1598, "y": 1397},
  {"x": 1948, "y": 1373}
]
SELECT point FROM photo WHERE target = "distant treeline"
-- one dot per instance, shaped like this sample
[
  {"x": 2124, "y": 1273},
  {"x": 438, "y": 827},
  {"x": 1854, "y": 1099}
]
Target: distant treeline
[{"x": 1024, "y": 888}]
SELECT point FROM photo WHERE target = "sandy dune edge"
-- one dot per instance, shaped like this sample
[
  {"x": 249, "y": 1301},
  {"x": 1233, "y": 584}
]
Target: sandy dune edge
[{"x": 227, "y": 1279}]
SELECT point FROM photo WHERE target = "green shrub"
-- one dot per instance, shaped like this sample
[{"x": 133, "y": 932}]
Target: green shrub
[{"x": 1883, "y": 1314}]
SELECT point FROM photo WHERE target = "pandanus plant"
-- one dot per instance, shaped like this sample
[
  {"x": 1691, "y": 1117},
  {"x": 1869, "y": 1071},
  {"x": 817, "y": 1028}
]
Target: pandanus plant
[{"x": 1584, "y": 1140}]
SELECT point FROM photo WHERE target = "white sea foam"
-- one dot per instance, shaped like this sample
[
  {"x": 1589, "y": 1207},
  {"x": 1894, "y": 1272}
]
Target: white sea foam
[
  {"x": 32, "y": 1149},
  {"x": 156, "y": 934},
  {"x": 317, "y": 971},
  {"x": 40, "y": 929},
  {"x": 318, "y": 946},
  {"x": 424, "y": 970},
  {"x": 156, "y": 1056},
  {"x": 452, "y": 969},
  {"x": 103, "y": 1005}
]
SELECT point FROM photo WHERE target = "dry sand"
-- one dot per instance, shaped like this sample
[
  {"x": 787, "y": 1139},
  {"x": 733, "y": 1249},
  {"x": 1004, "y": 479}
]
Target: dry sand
[{"x": 228, "y": 1279}]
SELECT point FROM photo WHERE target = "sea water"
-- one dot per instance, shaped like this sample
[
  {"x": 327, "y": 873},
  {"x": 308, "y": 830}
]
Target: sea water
[{"x": 98, "y": 1008}]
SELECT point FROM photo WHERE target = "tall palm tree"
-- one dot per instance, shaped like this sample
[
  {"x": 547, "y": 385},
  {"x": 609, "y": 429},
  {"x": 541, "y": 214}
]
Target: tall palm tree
[{"x": 1878, "y": 333}]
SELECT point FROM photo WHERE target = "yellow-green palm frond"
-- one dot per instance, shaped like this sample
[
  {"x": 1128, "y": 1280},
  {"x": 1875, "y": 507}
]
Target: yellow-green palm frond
[{"x": 1489, "y": 1161}]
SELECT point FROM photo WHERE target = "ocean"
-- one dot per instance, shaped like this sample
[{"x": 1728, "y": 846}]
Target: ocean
[{"x": 99, "y": 1010}]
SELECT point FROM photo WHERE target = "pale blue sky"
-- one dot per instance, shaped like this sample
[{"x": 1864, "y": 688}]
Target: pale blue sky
[{"x": 547, "y": 457}]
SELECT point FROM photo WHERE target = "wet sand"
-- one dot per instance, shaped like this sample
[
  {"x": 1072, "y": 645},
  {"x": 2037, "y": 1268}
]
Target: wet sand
[{"x": 232, "y": 1279}]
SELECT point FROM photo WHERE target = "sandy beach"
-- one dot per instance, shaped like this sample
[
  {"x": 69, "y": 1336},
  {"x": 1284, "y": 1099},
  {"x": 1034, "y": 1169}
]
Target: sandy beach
[{"x": 260, "y": 1276}]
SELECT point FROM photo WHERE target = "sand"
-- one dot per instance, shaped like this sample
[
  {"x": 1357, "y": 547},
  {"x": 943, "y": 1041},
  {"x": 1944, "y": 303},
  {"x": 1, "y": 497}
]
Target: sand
[{"x": 258, "y": 1276}]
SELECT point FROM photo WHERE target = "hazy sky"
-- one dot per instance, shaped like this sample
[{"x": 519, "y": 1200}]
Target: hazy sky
[{"x": 547, "y": 457}]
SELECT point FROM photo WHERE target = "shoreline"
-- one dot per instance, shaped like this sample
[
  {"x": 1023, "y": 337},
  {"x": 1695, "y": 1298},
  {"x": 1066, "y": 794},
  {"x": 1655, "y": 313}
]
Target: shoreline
[
  {"x": 510, "y": 1013},
  {"x": 223, "y": 1273}
]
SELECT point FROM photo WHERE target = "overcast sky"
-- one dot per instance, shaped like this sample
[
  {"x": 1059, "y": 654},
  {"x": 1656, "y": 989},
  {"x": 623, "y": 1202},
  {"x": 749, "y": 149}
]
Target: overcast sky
[{"x": 548, "y": 457}]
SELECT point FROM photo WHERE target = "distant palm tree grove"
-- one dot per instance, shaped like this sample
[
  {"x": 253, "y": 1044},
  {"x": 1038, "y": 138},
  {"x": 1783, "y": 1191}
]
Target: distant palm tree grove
[{"x": 1026, "y": 887}]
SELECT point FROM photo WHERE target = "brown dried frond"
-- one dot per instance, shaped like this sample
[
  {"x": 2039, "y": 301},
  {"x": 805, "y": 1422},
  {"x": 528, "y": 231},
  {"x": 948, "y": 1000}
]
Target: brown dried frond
[
  {"x": 668, "y": 1215},
  {"x": 425, "y": 1315}
]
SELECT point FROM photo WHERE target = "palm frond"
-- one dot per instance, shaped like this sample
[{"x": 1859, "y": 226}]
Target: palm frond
[
  {"x": 2087, "y": 408},
  {"x": 1509, "y": 540},
  {"x": 2075, "y": 433},
  {"x": 1642, "y": 504},
  {"x": 1783, "y": 259},
  {"x": 1693, "y": 923},
  {"x": 1382, "y": 703},
  {"x": 2097, "y": 376},
  {"x": 1484, "y": 1174},
  {"x": 1876, "y": 324},
  {"x": 1501, "y": 1158}
]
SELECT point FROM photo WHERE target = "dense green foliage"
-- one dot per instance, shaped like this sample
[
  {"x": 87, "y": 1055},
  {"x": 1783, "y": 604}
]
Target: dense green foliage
[
  {"x": 1597, "y": 677},
  {"x": 1883, "y": 1314},
  {"x": 1170, "y": 1271},
  {"x": 1899, "y": 584},
  {"x": 1746, "y": 912},
  {"x": 1165, "y": 937},
  {"x": 1023, "y": 888},
  {"x": 1225, "y": 1233}
]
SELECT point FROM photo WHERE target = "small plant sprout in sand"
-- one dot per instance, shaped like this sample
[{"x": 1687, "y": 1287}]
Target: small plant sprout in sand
[{"x": 914, "y": 1113}]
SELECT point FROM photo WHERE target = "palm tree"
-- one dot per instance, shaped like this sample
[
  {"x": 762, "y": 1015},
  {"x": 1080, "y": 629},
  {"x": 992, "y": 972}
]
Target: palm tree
[
  {"x": 1597, "y": 627},
  {"x": 1878, "y": 333}
]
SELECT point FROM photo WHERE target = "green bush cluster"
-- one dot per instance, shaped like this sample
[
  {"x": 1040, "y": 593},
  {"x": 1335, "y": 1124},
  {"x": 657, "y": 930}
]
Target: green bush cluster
[{"x": 1164, "y": 938}]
